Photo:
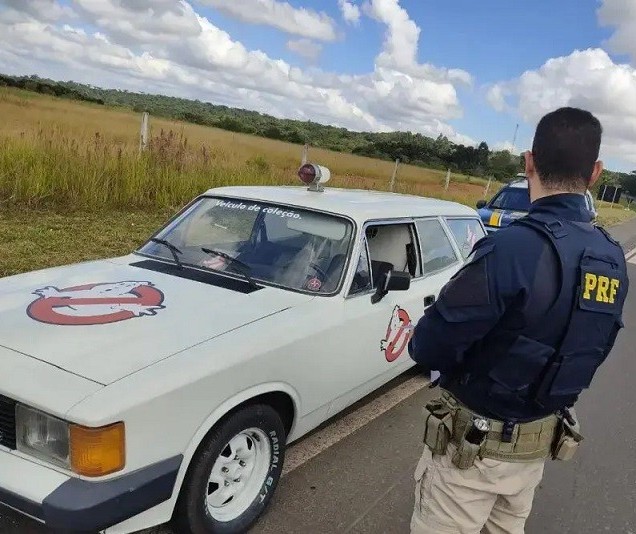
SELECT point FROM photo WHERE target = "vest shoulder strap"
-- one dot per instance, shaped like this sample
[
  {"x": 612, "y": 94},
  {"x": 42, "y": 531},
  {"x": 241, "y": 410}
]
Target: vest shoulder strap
[{"x": 551, "y": 229}]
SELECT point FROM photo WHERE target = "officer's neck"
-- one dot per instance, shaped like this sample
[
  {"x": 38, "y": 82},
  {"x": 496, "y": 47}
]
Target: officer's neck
[{"x": 537, "y": 191}]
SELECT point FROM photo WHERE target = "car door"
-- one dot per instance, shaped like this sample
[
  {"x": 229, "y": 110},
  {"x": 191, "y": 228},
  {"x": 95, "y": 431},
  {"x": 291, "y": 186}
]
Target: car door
[{"x": 375, "y": 338}]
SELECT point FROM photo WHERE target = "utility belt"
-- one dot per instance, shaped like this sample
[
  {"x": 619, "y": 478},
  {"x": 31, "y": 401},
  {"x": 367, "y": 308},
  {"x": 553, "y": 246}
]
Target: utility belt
[{"x": 449, "y": 421}]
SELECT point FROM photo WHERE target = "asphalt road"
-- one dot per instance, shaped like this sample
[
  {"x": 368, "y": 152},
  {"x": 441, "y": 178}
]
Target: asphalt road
[{"x": 364, "y": 484}]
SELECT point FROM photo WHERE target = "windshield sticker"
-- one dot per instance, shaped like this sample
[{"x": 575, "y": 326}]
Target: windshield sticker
[
  {"x": 398, "y": 334},
  {"x": 217, "y": 263},
  {"x": 94, "y": 304},
  {"x": 255, "y": 207},
  {"x": 313, "y": 284}
]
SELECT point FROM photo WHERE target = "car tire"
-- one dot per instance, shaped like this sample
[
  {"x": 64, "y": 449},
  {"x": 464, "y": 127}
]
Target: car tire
[{"x": 241, "y": 459}]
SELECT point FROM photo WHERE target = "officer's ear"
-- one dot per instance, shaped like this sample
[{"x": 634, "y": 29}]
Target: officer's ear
[
  {"x": 596, "y": 173},
  {"x": 530, "y": 168}
]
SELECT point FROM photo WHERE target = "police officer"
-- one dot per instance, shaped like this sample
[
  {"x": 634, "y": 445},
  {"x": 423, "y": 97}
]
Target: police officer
[{"x": 517, "y": 334}]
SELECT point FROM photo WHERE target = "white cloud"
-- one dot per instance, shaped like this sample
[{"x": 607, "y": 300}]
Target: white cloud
[
  {"x": 306, "y": 48},
  {"x": 141, "y": 21},
  {"x": 281, "y": 15},
  {"x": 350, "y": 11},
  {"x": 402, "y": 34},
  {"x": 496, "y": 97},
  {"x": 588, "y": 79},
  {"x": 168, "y": 47},
  {"x": 48, "y": 10},
  {"x": 621, "y": 15}
]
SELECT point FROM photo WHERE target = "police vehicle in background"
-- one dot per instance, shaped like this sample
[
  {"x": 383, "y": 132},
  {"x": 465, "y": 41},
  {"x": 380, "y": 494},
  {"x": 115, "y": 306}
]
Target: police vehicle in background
[
  {"x": 167, "y": 383},
  {"x": 512, "y": 202}
]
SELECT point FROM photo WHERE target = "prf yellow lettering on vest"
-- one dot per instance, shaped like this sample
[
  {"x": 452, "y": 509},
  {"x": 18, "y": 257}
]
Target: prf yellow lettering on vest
[{"x": 601, "y": 284}]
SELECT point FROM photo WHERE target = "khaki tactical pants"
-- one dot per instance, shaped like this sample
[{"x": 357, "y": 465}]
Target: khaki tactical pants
[{"x": 492, "y": 497}]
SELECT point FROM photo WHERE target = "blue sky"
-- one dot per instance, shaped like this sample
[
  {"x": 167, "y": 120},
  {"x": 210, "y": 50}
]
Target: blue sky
[{"x": 305, "y": 59}]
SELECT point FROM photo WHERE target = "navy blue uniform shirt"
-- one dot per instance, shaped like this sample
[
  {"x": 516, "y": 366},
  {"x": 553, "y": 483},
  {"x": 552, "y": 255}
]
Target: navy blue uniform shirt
[{"x": 519, "y": 285}]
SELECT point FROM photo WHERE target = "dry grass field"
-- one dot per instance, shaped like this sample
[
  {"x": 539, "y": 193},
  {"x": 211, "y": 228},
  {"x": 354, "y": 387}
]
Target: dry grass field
[
  {"x": 55, "y": 153},
  {"x": 73, "y": 185}
]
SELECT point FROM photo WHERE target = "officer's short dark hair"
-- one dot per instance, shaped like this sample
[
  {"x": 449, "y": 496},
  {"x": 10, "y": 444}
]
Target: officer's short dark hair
[{"x": 565, "y": 148}]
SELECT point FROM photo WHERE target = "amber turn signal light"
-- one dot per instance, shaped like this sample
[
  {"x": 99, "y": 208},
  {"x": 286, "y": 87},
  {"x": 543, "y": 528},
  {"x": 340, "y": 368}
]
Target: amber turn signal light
[{"x": 97, "y": 451}]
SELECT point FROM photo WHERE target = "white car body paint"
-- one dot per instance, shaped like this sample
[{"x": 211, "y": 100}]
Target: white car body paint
[{"x": 181, "y": 363}]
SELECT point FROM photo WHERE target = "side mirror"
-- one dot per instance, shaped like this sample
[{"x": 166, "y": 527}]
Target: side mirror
[
  {"x": 481, "y": 204},
  {"x": 391, "y": 281}
]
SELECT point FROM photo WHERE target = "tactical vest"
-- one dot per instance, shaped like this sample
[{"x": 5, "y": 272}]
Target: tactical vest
[{"x": 516, "y": 367}]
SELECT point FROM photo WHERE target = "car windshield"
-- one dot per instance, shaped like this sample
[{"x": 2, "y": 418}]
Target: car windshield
[
  {"x": 512, "y": 198},
  {"x": 294, "y": 248}
]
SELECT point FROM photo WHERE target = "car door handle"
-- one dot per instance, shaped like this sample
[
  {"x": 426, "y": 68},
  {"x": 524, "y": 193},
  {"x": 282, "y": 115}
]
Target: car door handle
[{"x": 429, "y": 300}]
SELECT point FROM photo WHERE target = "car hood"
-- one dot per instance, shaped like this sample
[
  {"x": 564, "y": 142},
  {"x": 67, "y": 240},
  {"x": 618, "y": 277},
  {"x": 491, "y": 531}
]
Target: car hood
[{"x": 106, "y": 319}]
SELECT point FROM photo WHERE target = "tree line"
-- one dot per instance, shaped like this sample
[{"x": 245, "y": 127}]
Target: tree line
[{"x": 408, "y": 147}]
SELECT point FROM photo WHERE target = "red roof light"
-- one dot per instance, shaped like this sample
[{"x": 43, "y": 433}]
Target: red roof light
[{"x": 307, "y": 173}]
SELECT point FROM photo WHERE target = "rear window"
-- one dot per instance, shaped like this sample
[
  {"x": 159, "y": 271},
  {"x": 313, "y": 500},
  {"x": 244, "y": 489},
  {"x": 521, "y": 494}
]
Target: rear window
[{"x": 512, "y": 198}]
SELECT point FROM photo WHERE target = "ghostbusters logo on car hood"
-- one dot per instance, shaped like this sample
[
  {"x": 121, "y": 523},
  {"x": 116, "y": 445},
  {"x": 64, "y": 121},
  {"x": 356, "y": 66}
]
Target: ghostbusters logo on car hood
[
  {"x": 94, "y": 304},
  {"x": 398, "y": 334}
]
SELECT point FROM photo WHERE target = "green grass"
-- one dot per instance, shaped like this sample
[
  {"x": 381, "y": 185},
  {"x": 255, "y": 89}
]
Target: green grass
[
  {"x": 51, "y": 170},
  {"x": 609, "y": 215},
  {"x": 33, "y": 239}
]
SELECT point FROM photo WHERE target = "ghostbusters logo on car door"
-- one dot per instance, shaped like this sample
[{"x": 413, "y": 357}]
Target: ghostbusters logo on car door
[{"x": 398, "y": 334}]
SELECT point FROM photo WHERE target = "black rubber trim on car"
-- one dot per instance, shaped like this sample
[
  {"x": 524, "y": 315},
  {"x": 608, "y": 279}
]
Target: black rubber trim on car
[
  {"x": 80, "y": 506},
  {"x": 21, "y": 504},
  {"x": 205, "y": 277}
]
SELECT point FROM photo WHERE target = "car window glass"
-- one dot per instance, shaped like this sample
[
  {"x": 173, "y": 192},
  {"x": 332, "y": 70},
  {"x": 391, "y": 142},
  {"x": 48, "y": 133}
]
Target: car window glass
[
  {"x": 295, "y": 248},
  {"x": 512, "y": 198},
  {"x": 437, "y": 250},
  {"x": 466, "y": 232},
  {"x": 392, "y": 247},
  {"x": 361, "y": 279}
]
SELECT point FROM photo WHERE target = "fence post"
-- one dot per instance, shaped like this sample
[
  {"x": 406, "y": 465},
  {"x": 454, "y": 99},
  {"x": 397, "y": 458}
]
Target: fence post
[
  {"x": 143, "y": 137},
  {"x": 397, "y": 162},
  {"x": 614, "y": 197},
  {"x": 447, "y": 180},
  {"x": 304, "y": 156},
  {"x": 487, "y": 187}
]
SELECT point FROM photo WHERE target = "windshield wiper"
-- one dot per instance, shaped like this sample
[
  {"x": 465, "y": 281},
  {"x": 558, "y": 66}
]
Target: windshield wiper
[
  {"x": 243, "y": 268},
  {"x": 174, "y": 250}
]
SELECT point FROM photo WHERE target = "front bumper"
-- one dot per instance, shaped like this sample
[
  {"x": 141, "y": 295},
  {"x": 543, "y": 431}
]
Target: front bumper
[{"x": 77, "y": 505}]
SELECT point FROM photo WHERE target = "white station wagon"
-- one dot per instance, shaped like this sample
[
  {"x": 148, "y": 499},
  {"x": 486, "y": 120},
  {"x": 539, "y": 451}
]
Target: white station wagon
[{"x": 166, "y": 384}]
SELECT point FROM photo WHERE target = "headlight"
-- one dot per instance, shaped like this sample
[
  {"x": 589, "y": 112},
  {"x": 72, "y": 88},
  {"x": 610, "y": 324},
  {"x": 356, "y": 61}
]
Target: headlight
[
  {"x": 42, "y": 436},
  {"x": 86, "y": 451}
]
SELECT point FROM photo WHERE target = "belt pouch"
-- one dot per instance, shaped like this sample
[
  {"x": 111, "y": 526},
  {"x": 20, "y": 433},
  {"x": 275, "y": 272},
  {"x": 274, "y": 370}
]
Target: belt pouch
[
  {"x": 465, "y": 455},
  {"x": 466, "y": 452},
  {"x": 438, "y": 428},
  {"x": 566, "y": 443}
]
